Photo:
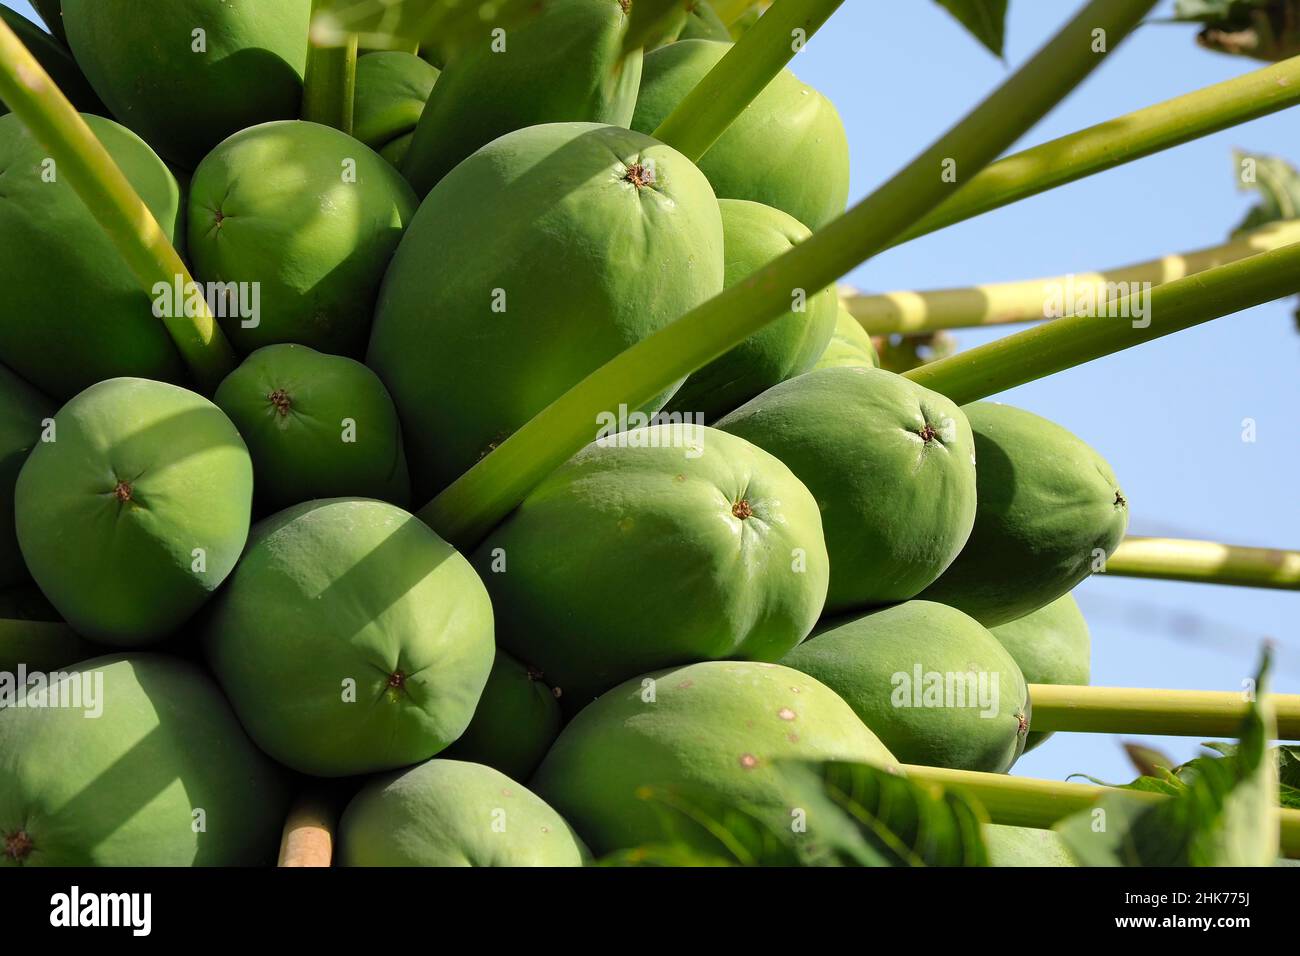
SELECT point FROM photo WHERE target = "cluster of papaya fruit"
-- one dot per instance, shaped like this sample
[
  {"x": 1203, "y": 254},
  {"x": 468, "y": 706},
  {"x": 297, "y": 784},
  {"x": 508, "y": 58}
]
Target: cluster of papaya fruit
[{"x": 681, "y": 604}]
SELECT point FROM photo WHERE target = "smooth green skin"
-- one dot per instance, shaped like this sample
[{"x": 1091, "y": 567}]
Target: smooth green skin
[
  {"x": 859, "y": 658},
  {"x": 628, "y": 559},
  {"x": 139, "y": 56},
  {"x": 74, "y": 314},
  {"x": 1022, "y": 846},
  {"x": 54, "y": 57},
  {"x": 589, "y": 264},
  {"x": 566, "y": 66},
  {"x": 707, "y": 732},
  {"x": 122, "y": 789},
  {"x": 515, "y": 723},
  {"x": 896, "y": 508},
  {"x": 1051, "y": 645},
  {"x": 454, "y": 813},
  {"x": 703, "y": 23},
  {"x": 290, "y": 403},
  {"x": 23, "y": 411},
  {"x": 343, "y": 595},
  {"x": 272, "y": 205},
  {"x": 32, "y": 633},
  {"x": 391, "y": 90},
  {"x": 753, "y": 235},
  {"x": 123, "y": 572},
  {"x": 787, "y": 149},
  {"x": 850, "y": 345},
  {"x": 1049, "y": 508}
]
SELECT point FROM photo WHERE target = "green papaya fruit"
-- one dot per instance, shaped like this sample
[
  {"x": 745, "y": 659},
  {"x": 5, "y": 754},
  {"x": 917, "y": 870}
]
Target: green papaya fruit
[
  {"x": 515, "y": 723},
  {"x": 891, "y": 465},
  {"x": 317, "y": 426},
  {"x": 310, "y": 218},
  {"x": 33, "y": 634},
  {"x": 136, "y": 511},
  {"x": 454, "y": 813},
  {"x": 74, "y": 313},
  {"x": 162, "y": 776},
  {"x": 541, "y": 257},
  {"x": 662, "y": 546},
  {"x": 1050, "y": 510},
  {"x": 1022, "y": 846},
  {"x": 703, "y": 733},
  {"x": 350, "y": 638},
  {"x": 787, "y": 149},
  {"x": 185, "y": 74},
  {"x": 54, "y": 58},
  {"x": 565, "y": 65},
  {"x": 703, "y": 23},
  {"x": 935, "y": 686},
  {"x": 391, "y": 90},
  {"x": 1051, "y": 646},
  {"x": 52, "y": 14},
  {"x": 753, "y": 235},
  {"x": 23, "y": 414},
  {"x": 849, "y": 345}
]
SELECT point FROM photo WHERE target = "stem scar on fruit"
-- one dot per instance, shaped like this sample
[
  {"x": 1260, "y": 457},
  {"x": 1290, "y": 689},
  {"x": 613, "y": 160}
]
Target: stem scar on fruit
[{"x": 18, "y": 845}]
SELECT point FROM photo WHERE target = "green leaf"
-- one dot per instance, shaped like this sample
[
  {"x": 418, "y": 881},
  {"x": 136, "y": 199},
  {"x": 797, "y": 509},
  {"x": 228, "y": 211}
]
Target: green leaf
[
  {"x": 1263, "y": 29},
  {"x": 1277, "y": 182},
  {"x": 986, "y": 19}
]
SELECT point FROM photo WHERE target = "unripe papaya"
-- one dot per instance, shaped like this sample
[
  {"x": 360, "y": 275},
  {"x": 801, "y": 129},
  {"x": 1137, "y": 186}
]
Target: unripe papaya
[
  {"x": 136, "y": 511},
  {"x": 1051, "y": 646},
  {"x": 849, "y": 345},
  {"x": 317, "y": 426},
  {"x": 541, "y": 257},
  {"x": 753, "y": 235},
  {"x": 565, "y": 65},
  {"x": 703, "y": 23},
  {"x": 310, "y": 218},
  {"x": 454, "y": 813},
  {"x": 33, "y": 634},
  {"x": 74, "y": 312},
  {"x": 663, "y": 546},
  {"x": 23, "y": 413},
  {"x": 1023, "y": 846},
  {"x": 935, "y": 686},
  {"x": 350, "y": 638},
  {"x": 185, "y": 74},
  {"x": 515, "y": 723},
  {"x": 54, "y": 58},
  {"x": 391, "y": 90},
  {"x": 163, "y": 776},
  {"x": 787, "y": 149},
  {"x": 891, "y": 465},
  {"x": 52, "y": 13},
  {"x": 713, "y": 731},
  {"x": 1050, "y": 511}
]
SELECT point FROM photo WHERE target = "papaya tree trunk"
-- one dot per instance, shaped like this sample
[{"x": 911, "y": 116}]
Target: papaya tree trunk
[{"x": 330, "y": 84}]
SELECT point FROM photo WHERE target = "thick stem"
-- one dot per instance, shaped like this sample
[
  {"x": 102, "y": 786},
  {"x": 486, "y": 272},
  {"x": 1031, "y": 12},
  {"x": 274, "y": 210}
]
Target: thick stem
[
  {"x": 1133, "y": 320},
  {"x": 476, "y": 501},
  {"x": 308, "y": 835},
  {"x": 85, "y": 165},
  {"x": 1117, "y": 142},
  {"x": 330, "y": 84},
  {"x": 1033, "y": 300},
  {"x": 749, "y": 66},
  {"x": 1205, "y": 562},
  {"x": 1131, "y": 710}
]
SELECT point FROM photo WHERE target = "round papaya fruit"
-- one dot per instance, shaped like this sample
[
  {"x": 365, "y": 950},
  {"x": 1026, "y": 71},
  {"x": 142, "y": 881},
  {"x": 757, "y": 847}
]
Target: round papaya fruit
[
  {"x": 133, "y": 760},
  {"x": 849, "y": 345},
  {"x": 753, "y": 235},
  {"x": 708, "y": 732},
  {"x": 350, "y": 638},
  {"x": 787, "y": 149},
  {"x": 391, "y": 90},
  {"x": 185, "y": 74},
  {"x": 136, "y": 510},
  {"x": 23, "y": 414},
  {"x": 1023, "y": 846},
  {"x": 891, "y": 465},
  {"x": 1051, "y": 646},
  {"x": 454, "y": 813},
  {"x": 309, "y": 218},
  {"x": 663, "y": 546},
  {"x": 934, "y": 685},
  {"x": 33, "y": 635},
  {"x": 1050, "y": 511},
  {"x": 317, "y": 426},
  {"x": 515, "y": 723},
  {"x": 74, "y": 313},
  {"x": 54, "y": 58},
  {"x": 566, "y": 65},
  {"x": 541, "y": 257}
]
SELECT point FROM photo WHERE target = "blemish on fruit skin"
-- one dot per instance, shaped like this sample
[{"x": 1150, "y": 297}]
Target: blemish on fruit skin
[
  {"x": 1120, "y": 500},
  {"x": 748, "y": 761},
  {"x": 785, "y": 713},
  {"x": 18, "y": 845},
  {"x": 1023, "y": 724},
  {"x": 686, "y": 684},
  {"x": 397, "y": 681},
  {"x": 792, "y": 737}
]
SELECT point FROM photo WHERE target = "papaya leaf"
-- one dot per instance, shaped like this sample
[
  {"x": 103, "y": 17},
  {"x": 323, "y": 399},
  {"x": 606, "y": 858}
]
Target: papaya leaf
[
  {"x": 985, "y": 19},
  {"x": 1262, "y": 29},
  {"x": 1147, "y": 760},
  {"x": 1276, "y": 181}
]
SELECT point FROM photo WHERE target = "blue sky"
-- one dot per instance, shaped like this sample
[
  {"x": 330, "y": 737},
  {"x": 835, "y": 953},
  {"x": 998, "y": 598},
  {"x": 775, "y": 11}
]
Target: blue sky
[{"x": 1166, "y": 415}]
